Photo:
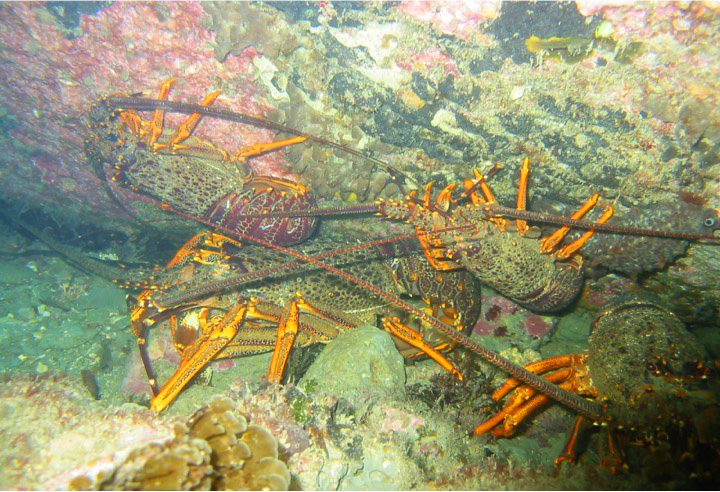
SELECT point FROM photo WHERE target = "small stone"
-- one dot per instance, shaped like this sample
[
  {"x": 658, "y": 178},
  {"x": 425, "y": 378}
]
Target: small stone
[
  {"x": 517, "y": 92},
  {"x": 41, "y": 368}
]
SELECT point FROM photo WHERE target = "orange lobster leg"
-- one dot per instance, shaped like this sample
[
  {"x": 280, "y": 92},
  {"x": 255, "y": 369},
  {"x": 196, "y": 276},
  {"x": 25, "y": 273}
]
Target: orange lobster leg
[
  {"x": 547, "y": 244},
  {"x": 138, "y": 316},
  {"x": 256, "y": 149},
  {"x": 221, "y": 334},
  {"x": 489, "y": 197},
  {"x": 569, "y": 452},
  {"x": 184, "y": 130},
  {"x": 616, "y": 461},
  {"x": 191, "y": 248},
  {"x": 132, "y": 120},
  {"x": 158, "y": 121},
  {"x": 521, "y": 405},
  {"x": 522, "y": 196},
  {"x": 431, "y": 245},
  {"x": 540, "y": 367},
  {"x": 579, "y": 242},
  {"x": 410, "y": 336},
  {"x": 551, "y": 241},
  {"x": 286, "y": 333}
]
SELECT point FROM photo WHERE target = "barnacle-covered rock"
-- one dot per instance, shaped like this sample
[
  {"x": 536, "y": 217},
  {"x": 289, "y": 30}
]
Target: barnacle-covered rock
[{"x": 215, "y": 450}]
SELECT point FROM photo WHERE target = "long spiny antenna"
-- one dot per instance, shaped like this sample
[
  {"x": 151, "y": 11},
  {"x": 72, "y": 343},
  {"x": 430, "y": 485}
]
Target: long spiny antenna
[
  {"x": 184, "y": 296},
  {"x": 493, "y": 210}
]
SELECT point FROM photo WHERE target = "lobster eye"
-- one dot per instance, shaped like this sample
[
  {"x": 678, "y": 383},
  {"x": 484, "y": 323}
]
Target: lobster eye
[
  {"x": 711, "y": 219},
  {"x": 652, "y": 367}
]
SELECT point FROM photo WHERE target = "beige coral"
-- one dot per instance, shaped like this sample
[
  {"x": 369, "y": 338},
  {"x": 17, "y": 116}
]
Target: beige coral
[{"x": 215, "y": 450}]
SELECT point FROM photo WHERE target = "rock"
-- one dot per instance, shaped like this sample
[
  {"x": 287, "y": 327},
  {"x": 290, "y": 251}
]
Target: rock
[{"x": 357, "y": 364}]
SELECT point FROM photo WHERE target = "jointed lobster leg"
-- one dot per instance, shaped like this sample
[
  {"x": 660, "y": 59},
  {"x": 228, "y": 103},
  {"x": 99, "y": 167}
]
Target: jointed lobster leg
[
  {"x": 158, "y": 121},
  {"x": 571, "y": 375},
  {"x": 219, "y": 333},
  {"x": 142, "y": 313},
  {"x": 521, "y": 225},
  {"x": 190, "y": 250},
  {"x": 246, "y": 328},
  {"x": 551, "y": 241},
  {"x": 222, "y": 332},
  {"x": 154, "y": 130},
  {"x": 288, "y": 326},
  {"x": 410, "y": 336}
]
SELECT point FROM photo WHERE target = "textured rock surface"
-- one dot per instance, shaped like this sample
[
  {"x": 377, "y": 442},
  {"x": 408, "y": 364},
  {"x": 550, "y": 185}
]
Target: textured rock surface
[{"x": 362, "y": 362}]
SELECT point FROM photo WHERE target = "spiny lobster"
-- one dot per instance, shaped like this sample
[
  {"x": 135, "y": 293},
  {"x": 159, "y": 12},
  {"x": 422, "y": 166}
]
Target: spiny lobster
[
  {"x": 302, "y": 306},
  {"x": 652, "y": 376},
  {"x": 453, "y": 235}
]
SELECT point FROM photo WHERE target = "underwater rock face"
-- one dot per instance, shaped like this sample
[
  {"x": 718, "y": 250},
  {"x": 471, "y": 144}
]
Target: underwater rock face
[{"x": 432, "y": 106}]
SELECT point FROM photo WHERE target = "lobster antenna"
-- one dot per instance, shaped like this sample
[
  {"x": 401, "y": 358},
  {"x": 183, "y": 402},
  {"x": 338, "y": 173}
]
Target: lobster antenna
[{"x": 493, "y": 211}]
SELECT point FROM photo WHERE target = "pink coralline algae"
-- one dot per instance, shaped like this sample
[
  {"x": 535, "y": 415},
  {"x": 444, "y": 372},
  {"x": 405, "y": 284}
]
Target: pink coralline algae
[
  {"x": 501, "y": 317},
  {"x": 431, "y": 57},
  {"x": 460, "y": 18},
  {"x": 48, "y": 83},
  {"x": 395, "y": 420},
  {"x": 633, "y": 18},
  {"x": 537, "y": 326}
]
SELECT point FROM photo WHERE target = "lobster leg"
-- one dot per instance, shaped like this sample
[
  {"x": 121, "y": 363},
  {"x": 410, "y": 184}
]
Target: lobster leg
[
  {"x": 540, "y": 367},
  {"x": 521, "y": 225},
  {"x": 222, "y": 332},
  {"x": 410, "y": 336},
  {"x": 569, "y": 452},
  {"x": 145, "y": 313},
  {"x": 191, "y": 249},
  {"x": 547, "y": 244},
  {"x": 570, "y": 374},
  {"x": 578, "y": 243},
  {"x": 138, "y": 317},
  {"x": 158, "y": 121},
  {"x": 286, "y": 333},
  {"x": 256, "y": 149},
  {"x": 184, "y": 130},
  {"x": 289, "y": 326},
  {"x": 520, "y": 406}
]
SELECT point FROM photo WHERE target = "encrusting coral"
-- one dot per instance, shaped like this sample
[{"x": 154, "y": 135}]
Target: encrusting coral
[{"x": 215, "y": 450}]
